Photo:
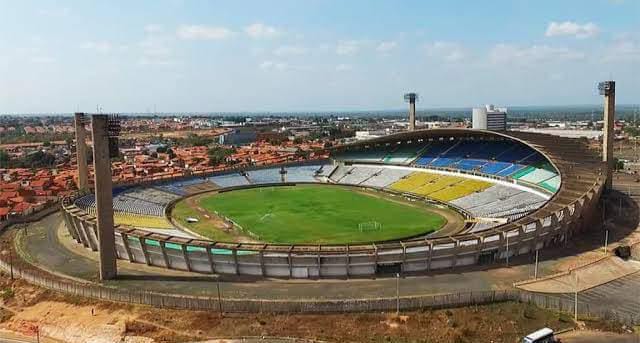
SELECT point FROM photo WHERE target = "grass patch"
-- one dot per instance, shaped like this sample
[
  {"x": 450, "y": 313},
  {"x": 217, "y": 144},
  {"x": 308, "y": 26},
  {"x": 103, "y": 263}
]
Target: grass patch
[
  {"x": 182, "y": 210},
  {"x": 316, "y": 215}
]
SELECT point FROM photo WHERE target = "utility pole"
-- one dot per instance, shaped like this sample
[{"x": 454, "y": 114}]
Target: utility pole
[
  {"x": 575, "y": 300},
  {"x": 11, "y": 262},
  {"x": 397, "y": 294},
  {"x": 219, "y": 296},
  {"x": 507, "y": 234},
  {"x": 606, "y": 241}
]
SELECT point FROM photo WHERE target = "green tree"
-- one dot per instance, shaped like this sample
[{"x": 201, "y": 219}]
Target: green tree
[
  {"x": 219, "y": 154},
  {"x": 4, "y": 159}
]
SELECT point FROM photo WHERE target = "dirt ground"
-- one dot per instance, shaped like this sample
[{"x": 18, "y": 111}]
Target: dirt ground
[{"x": 25, "y": 308}]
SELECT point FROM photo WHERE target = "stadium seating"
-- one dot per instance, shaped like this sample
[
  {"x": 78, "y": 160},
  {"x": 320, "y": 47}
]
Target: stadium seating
[
  {"x": 141, "y": 221},
  {"x": 177, "y": 187},
  {"x": 413, "y": 181},
  {"x": 551, "y": 184},
  {"x": 368, "y": 155},
  {"x": 499, "y": 201},
  {"x": 459, "y": 190},
  {"x": 403, "y": 154},
  {"x": 270, "y": 175},
  {"x": 340, "y": 172},
  {"x": 138, "y": 200},
  {"x": 385, "y": 177},
  {"x": 433, "y": 150},
  {"x": 439, "y": 183},
  {"x": 229, "y": 180},
  {"x": 306, "y": 173},
  {"x": 356, "y": 175}
]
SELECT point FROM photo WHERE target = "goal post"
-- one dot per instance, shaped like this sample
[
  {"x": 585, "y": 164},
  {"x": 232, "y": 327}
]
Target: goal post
[{"x": 370, "y": 226}]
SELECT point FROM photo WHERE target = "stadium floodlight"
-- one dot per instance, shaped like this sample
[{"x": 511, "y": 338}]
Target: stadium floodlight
[
  {"x": 411, "y": 99},
  {"x": 606, "y": 87},
  {"x": 113, "y": 131}
]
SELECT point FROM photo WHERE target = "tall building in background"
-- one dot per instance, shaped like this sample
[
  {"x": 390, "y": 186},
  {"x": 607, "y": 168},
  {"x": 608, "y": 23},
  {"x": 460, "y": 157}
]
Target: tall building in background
[{"x": 490, "y": 117}]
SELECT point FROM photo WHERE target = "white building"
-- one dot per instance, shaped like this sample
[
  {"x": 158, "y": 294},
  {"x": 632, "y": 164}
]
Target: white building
[{"x": 490, "y": 117}]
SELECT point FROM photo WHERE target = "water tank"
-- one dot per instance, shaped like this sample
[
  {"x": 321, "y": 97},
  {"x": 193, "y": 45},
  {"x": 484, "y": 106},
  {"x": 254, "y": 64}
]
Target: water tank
[{"x": 479, "y": 117}]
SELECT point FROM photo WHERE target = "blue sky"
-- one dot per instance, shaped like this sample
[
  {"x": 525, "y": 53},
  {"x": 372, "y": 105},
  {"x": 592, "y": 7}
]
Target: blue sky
[{"x": 129, "y": 56}]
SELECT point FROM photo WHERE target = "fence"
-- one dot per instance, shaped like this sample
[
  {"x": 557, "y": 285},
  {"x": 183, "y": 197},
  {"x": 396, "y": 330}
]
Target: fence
[
  {"x": 565, "y": 303},
  {"x": 174, "y": 301}
]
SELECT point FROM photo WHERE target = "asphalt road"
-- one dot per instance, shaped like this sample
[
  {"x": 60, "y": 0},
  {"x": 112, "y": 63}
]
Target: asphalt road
[
  {"x": 597, "y": 337},
  {"x": 44, "y": 248}
]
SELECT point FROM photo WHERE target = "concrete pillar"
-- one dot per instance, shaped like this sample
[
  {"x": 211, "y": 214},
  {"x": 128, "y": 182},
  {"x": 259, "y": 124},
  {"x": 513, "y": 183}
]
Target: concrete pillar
[
  {"x": 185, "y": 255},
  {"x": 104, "y": 196},
  {"x": 412, "y": 115},
  {"x": 125, "y": 242},
  {"x": 609, "y": 92},
  {"x": 165, "y": 256},
  {"x": 81, "y": 152},
  {"x": 210, "y": 259}
]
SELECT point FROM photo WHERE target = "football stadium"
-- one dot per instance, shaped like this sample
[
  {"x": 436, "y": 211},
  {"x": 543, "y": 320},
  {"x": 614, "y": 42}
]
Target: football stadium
[{"x": 410, "y": 202}]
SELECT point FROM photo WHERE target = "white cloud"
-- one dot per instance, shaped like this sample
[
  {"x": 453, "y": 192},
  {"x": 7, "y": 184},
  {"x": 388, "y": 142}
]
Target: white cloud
[
  {"x": 344, "y": 67},
  {"x": 259, "y": 30},
  {"x": 102, "y": 47},
  {"x": 569, "y": 28},
  {"x": 447, "y": 51},
  {"x": 386, "y": 47},
  {"x": 289, "y": 50},
  {"x": 271, "y": 65},
  {"x": 349, "y": 47},
  {"x": 203, "y": 32},
  {"x": 152, "y": 28},
  {"x": 505, "y": 53}
]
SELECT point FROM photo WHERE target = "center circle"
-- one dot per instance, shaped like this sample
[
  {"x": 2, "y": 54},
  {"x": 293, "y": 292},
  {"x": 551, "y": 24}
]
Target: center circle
[{"x": 307, "y": 214}]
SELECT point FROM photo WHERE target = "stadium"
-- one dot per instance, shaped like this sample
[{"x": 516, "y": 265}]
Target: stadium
[{"x": 410, "y": 202}]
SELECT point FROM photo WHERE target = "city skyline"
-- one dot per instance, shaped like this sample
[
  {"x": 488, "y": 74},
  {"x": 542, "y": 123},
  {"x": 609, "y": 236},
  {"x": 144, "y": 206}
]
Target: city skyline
[{"x": 183, "y": 56}]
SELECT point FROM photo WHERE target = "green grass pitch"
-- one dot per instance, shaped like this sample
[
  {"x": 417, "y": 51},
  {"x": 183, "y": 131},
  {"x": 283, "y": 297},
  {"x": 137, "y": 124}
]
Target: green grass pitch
[{"x": 316, "y": 214}]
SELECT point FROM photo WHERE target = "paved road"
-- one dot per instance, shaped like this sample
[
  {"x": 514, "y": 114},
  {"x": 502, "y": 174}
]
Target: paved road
[
  {"x": 619, "y": 298},
  {"x": 43, "y": 244},
  {"x": 597, "y": 337}
]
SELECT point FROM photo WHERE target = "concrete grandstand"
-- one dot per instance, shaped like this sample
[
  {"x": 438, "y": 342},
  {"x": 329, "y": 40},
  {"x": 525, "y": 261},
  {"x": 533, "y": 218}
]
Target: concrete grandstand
[{"x": 519, "y": 192}]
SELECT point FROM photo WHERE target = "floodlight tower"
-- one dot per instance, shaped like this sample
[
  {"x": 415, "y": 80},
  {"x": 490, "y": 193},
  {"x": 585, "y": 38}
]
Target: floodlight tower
[
  {"x": 411, "y": 99},
  {"x": 105, "y": 131},
  {"x": 81, "y": 151},
  {"x": 608, "y": 89}
]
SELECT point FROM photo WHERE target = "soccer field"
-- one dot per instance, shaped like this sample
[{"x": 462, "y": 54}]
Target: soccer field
[{"x": 316, "y": 214}]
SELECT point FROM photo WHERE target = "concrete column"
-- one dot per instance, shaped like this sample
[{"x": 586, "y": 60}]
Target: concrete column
[
  {"x": 81, "y": 234},
  {"x": 235, "y": 261},
  {"x": 430, "y": 257},
  {"x": 104, "y": 196},
  {"x": 347, "y": 261},
  {"x": 210, "y": 259},
  {"x": 145, "y": 253},
  {"x": 125, "y": 242},
  {"x": 412, "y": 115},
  {"x": 607, "y": 140},
  {"x": 165, "y": 256},
  {"x": 81, "y": 152},
  {"x": 185, "y": 255}
]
